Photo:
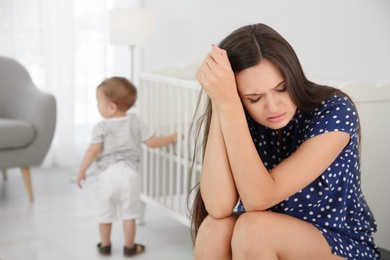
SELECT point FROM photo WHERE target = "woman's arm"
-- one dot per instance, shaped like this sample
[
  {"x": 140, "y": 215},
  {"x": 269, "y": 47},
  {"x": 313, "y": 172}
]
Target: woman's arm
[
  {"x": 216, "y": 180},
  {"x": 259, "y": 189}
]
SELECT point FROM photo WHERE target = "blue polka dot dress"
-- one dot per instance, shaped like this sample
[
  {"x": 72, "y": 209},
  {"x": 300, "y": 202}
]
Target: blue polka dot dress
[{"x": 334, "y": 202}]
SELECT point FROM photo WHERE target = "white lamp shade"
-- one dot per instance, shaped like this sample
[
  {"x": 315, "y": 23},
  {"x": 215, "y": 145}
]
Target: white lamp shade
[{"x": 132, "y": 26}]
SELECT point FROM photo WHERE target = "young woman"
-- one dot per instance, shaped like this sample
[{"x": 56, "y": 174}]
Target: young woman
[{"x": 286, "y": 149}]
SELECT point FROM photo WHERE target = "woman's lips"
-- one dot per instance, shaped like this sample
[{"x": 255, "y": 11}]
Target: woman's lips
[{"x": 277, "y": 118}]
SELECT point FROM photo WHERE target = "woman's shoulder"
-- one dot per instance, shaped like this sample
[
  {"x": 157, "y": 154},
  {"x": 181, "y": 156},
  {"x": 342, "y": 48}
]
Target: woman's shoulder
[
  {"x": 336, "y": 113},
  {"x": 337, "y": 97},
  {"x": 336, "y": 103}
]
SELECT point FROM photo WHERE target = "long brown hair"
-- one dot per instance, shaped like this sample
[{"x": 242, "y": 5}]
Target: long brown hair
[{"x": 246, "y": 47}]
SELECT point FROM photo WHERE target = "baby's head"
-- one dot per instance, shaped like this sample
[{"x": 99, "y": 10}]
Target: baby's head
[{"x": 119, "y": 91}]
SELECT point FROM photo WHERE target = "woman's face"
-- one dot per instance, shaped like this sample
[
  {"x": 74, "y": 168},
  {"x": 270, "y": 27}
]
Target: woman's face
[{"x": 263, "y": 93}]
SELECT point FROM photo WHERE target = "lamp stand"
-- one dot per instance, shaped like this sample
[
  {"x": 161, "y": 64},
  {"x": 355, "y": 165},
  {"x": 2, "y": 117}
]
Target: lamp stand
[{"x": 132, "y": 63}]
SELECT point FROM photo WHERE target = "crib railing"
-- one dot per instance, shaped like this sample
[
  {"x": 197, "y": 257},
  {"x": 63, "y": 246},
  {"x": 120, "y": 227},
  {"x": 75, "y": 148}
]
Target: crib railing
[{"x": 167, "y": 105}]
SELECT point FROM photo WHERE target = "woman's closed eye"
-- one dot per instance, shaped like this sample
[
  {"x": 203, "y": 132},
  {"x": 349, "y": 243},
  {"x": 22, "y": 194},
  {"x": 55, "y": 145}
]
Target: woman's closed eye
[
  {"x": 254, "y": 100},
  {"x": 281, "y": 89}
]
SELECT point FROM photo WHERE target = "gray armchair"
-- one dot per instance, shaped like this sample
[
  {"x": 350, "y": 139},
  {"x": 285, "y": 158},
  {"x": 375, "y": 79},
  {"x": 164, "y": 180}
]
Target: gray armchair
[{"x": 27, "y": 121}]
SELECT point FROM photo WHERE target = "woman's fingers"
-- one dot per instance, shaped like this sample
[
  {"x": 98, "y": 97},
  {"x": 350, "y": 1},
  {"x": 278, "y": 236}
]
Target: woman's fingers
[
  {"x": 215, "y": 69},
  {"x": 218, "y": 55},
  {"x": 201, "y": 73},
  {"x": 205, "y": 68}
]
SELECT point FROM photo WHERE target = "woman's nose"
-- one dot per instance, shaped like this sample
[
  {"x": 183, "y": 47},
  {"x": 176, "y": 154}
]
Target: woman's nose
[{"x": 272, "y": 104}]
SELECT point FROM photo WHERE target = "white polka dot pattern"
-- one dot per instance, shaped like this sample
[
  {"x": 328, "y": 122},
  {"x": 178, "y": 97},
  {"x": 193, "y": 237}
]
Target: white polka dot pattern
[{"x": 334, "y": 202}]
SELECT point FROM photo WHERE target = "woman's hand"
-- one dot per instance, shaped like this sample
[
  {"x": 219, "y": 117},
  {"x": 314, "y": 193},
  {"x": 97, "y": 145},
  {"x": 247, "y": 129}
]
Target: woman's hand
[{"x": 216, "y": 77}]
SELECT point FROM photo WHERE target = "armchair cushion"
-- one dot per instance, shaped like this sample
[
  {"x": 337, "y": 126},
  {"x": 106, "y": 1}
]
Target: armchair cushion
[
  {"x": 15, "y": 133},
  {"x": 32, "y": 108}
]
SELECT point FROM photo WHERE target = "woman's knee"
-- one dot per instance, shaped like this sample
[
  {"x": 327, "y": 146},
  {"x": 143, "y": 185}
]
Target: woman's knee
[
  {"x": 252, "y": 231},
  {"x": 214, "y": 235},
  {"x": 216, "y": 228}
]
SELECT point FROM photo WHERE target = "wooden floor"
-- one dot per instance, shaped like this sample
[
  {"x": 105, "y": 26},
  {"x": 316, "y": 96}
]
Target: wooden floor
[{"x": 60, "y": 223}]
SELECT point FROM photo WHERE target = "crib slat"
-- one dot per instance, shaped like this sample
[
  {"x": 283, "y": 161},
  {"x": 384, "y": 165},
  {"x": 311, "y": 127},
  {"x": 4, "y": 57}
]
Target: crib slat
[
  {"x": 167, "y": 105},
  {"x": 178, "y": 150},
  {"x": 171, "y": 161},
  {"x": 164, "y": 176}
]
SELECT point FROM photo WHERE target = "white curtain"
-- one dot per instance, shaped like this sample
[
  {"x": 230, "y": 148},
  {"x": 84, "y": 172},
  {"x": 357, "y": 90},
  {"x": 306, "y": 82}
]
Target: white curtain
[{"x": 64, "y": 44}]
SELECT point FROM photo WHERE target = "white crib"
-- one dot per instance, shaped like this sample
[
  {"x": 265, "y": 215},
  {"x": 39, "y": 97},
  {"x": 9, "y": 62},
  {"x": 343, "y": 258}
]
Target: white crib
[{"x": 167, "y": 103}]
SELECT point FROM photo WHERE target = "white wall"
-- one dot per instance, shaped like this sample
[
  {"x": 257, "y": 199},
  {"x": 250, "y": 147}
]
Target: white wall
[{"x": 338, "y": 40}]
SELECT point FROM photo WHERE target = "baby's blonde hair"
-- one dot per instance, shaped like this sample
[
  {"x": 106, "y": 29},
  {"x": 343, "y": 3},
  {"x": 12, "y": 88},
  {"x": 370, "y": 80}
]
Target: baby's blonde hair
[{"x": 120, "y": 91}]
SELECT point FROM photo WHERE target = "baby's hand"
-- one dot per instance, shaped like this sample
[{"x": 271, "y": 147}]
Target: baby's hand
[
  {"x": 81, "y": 176},
  {"x": 175, "y": 137}
]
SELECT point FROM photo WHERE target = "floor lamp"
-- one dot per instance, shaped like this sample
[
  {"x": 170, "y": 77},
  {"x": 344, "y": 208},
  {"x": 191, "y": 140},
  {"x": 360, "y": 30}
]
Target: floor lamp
[{"x": 132, "y": 27}]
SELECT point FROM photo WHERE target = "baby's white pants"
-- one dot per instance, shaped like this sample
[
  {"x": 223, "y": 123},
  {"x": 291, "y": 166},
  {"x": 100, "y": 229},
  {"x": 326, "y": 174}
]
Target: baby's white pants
[{"x": 118, "y": 191}]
